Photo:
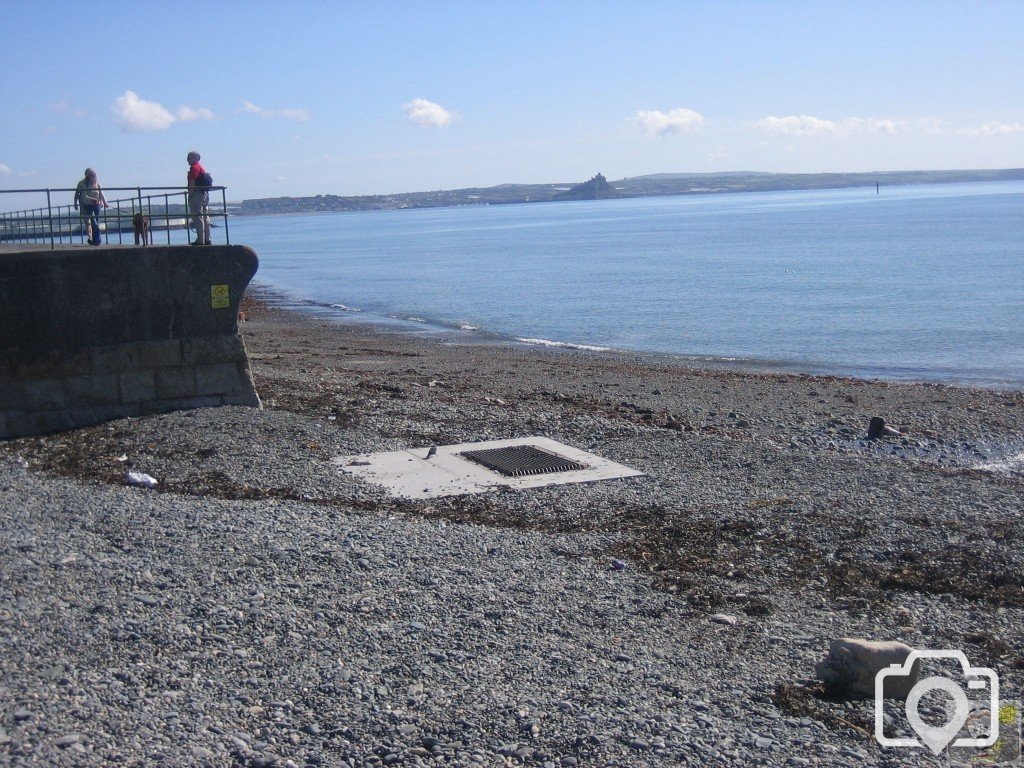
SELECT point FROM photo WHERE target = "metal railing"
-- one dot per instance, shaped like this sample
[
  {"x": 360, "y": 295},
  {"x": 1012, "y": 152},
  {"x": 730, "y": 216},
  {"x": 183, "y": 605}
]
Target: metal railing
[{"x": 166, "y": 209}]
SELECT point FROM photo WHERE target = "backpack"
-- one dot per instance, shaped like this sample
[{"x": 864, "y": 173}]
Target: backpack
[{"x": 204, "y": 179}]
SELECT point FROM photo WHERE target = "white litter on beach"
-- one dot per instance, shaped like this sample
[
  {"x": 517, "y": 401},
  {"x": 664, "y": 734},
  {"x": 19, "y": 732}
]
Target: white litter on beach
[
  {"x": 412, "y": 474},
  {"x": 141, "y": 480}
]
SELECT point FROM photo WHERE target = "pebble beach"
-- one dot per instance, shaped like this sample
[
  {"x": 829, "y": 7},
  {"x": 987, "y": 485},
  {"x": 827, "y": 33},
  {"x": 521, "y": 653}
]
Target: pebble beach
[{"x": 261, "y": 607}]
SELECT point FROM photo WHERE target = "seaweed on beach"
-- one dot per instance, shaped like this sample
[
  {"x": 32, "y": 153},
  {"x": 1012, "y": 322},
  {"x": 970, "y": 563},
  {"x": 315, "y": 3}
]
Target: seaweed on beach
[
  {"x": 688, "y": 551},
  {"x": 95, "y": 453},
  {"x": 705, "y": 553},
  {"x": 962, "y": 572},
  {"x": 815, "y": 700}
]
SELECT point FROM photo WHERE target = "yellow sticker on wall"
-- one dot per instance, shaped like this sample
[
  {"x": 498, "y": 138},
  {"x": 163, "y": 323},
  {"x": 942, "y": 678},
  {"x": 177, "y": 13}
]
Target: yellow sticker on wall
[{"x": 220, "y": 298}]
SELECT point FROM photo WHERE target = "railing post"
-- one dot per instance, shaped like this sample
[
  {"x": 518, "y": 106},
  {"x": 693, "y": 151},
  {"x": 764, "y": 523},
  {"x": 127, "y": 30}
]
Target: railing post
[
  {"x": 49, "y": 216},
  {"x": 224, "y": 210},
  {"x": 145, "y": 236}
]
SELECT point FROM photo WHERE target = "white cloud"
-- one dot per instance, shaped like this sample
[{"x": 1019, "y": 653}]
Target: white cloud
[
  {"x": 874, "y": 125},
  {"x": 678, "y": 121},
  {"x": 796, "y": 125},
  {"x": 806, "y": 125},
  {"x": 5, "y": 170},
  {"x": 300, "y": 115},
  {"x": 187, "y": 114},
  {"x": 428, "y": 114},
  {"x": 135, "y": 114},
  {"x": 993, "y": 129}
]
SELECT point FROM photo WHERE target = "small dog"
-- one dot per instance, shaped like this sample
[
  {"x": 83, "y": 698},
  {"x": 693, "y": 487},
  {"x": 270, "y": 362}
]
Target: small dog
[{"x": 140, "y": 227}]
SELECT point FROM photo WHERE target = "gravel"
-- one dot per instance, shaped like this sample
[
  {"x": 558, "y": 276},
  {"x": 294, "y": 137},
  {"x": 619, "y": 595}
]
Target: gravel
[{"x": 259, "y": 607}]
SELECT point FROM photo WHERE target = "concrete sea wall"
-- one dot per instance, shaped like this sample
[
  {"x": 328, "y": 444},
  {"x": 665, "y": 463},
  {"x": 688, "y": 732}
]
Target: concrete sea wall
[{"x": 93, "y": 334}]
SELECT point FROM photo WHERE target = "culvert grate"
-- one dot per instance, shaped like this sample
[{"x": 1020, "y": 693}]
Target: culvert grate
[
  {"x": 522, "y": 460},
  {"x": 446, "y": 470}
]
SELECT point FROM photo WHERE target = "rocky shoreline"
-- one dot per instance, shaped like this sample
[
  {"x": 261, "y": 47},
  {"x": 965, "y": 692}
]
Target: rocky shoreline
[{"x": 259, "y": 607}]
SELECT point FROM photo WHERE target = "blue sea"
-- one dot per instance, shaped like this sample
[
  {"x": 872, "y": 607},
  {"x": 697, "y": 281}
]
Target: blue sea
[{"x": 917, "y": 282}]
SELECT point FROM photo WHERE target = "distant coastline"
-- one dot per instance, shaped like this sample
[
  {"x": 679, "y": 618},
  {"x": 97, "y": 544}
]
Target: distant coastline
[{"x": 598, "y": 188}]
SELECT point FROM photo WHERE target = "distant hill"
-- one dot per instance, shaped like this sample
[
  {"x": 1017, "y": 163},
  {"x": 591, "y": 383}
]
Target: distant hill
[
  {"x": 599, "y": 188},
  {"x": 722, "y": 174},
  {"x": 744, "y": 181}
]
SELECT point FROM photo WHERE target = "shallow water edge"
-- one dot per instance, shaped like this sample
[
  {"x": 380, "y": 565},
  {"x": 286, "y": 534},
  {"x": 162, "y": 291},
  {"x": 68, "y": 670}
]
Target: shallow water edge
[{"x": 463, "y": 334}]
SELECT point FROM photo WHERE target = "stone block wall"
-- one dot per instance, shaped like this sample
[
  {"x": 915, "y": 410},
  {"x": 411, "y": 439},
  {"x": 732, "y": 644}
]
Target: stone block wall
[{"x": 87, "y": 336}]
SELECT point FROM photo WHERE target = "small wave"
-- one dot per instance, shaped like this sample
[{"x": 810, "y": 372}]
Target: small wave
[
  {"x": 1008, "y": 464},
  {"x": 415, "y": 319},
  {"x": 465, "y": 327},
  {"x": 564, "y": 345},
  {"x": 304, "y": 302}
]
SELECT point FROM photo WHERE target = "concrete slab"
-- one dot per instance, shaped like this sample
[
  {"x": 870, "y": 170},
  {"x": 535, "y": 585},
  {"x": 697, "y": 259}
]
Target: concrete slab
[{"x": 410, "y": 474}]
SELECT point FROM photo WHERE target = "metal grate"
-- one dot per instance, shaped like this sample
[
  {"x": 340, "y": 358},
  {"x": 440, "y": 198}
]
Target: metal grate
[{"x": 519, "y": 460}]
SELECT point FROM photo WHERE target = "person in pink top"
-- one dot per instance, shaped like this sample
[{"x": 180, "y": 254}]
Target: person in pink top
[{"x": 198, "y": 199}]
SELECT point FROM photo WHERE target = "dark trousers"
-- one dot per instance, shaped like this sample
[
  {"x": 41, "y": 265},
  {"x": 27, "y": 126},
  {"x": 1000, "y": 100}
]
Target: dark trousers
[{"x": 93, "y": 212}]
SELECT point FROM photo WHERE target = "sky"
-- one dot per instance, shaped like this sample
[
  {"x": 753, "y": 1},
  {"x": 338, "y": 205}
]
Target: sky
[{"x": 376, "y": 97}]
